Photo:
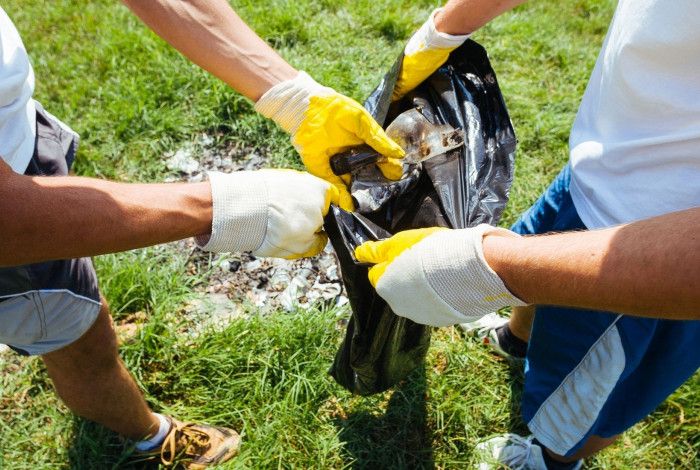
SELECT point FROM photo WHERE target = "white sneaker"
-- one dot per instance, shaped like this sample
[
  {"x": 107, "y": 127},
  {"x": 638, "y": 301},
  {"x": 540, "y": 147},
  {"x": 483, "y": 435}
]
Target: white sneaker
[
  {"x": 484, "y": 329},
  {"x": 513, "y": 451}
]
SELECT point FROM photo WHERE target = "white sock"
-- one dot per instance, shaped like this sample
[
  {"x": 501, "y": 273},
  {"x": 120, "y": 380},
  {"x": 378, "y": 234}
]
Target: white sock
[{"x": 158, "y": 438}]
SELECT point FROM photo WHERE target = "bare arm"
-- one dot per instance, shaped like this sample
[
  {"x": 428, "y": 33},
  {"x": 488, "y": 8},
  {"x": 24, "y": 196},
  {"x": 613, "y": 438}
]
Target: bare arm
[
  {"x": 214, "y": 37},
  {"x": 44, "y": 218},
  {"x": 648, "y": 268},
  {"x": 460, "y": 17}
]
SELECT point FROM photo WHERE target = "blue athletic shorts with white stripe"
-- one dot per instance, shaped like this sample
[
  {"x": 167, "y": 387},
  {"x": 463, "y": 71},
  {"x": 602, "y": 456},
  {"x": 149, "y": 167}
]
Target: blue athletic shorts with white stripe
[{"x": 595, "y": 373}]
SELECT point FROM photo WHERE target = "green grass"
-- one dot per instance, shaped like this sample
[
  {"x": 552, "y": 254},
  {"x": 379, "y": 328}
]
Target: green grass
[{"x": 133, "y": 98}]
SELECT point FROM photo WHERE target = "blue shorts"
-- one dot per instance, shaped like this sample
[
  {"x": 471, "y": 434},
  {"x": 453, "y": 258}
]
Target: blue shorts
[{"x": 595, "y": 373}]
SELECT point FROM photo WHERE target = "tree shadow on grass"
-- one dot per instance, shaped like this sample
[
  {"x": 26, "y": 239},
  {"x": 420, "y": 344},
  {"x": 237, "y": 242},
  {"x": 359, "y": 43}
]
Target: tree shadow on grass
[{"x": 398, "y": 438}]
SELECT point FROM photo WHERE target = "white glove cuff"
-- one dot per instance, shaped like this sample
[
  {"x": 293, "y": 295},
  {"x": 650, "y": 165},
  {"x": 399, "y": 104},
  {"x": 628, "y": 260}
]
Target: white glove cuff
[
  {"x": 428, "y": 37},
  {"x": 240, "y": 202},
  {"x": 286, "y": 103},
  {"x": 463, "y": 269}
]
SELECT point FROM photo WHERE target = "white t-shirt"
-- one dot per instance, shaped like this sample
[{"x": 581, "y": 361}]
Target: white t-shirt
[
  {"x": 635, "y": 143},
  {"x": 17, "y": 111}
]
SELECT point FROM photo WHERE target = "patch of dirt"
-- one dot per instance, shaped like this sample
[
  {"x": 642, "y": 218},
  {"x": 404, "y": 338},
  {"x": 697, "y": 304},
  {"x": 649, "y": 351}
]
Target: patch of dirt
[{"x": 127, "y": 328}]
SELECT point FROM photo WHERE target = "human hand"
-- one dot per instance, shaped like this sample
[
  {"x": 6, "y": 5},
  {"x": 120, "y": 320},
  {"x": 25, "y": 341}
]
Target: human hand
[
  {"x": 437, "y": 276},
  {"x": 322, "y": 123},
  {"x": 269, "y": 212},
  {"x": 424, "y": 53}
]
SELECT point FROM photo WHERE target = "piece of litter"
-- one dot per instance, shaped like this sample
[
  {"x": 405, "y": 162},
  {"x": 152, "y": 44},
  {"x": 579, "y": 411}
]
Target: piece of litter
[{"x": 182, "y": 161}]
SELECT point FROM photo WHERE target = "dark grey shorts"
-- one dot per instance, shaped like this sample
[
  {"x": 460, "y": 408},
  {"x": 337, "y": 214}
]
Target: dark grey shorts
[{"x": 46, "y": 306}]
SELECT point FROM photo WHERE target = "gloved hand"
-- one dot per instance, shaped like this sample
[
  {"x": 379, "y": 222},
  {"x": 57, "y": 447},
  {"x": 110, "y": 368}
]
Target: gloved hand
[
  {"x": 437, "y": 276},
  {"x": 322, "y": 123},
  {"x": 424, "y": 53},
  {"x": 269, "y": 212}
]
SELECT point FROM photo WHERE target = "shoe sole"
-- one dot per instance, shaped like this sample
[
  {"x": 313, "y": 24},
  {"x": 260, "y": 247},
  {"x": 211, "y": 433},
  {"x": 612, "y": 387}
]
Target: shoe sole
[{"x": 234, "y": 441}]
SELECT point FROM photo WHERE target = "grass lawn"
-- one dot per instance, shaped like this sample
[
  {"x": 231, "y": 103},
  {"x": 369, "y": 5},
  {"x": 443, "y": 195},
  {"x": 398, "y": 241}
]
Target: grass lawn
[{"x": 133, "y": 99}]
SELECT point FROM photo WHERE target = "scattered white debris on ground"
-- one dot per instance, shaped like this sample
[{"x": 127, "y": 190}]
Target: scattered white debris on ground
[
  {"x": 182, "y": 161},
  {"x": 193, "y": 160},
  {"x": 234, "y": 281},
  {"x": 270, "y": 283}
]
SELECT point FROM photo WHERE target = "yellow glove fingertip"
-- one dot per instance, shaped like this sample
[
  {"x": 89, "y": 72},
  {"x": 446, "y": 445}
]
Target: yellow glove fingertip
[
  {"x": 319, "y": 243},
  {"x": 392, "y": 169},
  {"x": 345, "y": 201},
  {"x": 397, "y": 94},
  {"x": 375, "y": 273},
  {"x": 372, "y": 133},
  {"x": 332, "y": 197},
  {"x": 381, "y": 142},
  {"x": 366, "y": 253},
  {"x": 318, "y": 246}
]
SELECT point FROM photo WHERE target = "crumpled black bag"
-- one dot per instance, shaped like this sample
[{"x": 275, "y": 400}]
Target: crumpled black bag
[{"x": 462, "y": 188}]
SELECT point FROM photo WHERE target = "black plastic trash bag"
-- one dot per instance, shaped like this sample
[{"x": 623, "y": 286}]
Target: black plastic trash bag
[{"x": 462, "y": 188}]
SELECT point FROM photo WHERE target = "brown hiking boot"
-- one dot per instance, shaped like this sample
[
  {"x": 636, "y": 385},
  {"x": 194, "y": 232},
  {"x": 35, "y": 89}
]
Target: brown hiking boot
[{"x": 193, "y": 446}]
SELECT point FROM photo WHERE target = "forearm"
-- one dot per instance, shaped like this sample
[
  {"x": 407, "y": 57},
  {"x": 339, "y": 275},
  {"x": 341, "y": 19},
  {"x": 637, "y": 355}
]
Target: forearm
[
  {"x": 214, "y": 37},
  {"x": 647, "y": 268},
  {"x": 460, "y": 17},
  {"x": 43, "y": 218}
]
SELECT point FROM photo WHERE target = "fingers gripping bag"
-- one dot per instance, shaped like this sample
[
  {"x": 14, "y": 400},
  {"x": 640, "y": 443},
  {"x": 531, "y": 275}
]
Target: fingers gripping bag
[{"x": 461, "y": 188}]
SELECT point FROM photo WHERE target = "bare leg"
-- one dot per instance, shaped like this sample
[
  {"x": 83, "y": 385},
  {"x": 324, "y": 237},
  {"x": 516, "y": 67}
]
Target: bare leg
[
  {"x": 593, "y": 445},
  {"x": 91, "y": 379},
  {"x": 521, "y": 321}
]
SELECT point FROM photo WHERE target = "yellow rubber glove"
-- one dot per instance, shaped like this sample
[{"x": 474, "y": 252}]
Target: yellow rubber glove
[
  {"x": 322, "y": 123},
  {"x": 437, "y": 276},
  {"x": 383, "y": 252},
  {"x": 424, "y": 53}
]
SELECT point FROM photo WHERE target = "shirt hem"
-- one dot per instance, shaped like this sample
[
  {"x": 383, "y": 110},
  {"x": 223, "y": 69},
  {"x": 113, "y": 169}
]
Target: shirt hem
[{"x": 583, "y": 208}]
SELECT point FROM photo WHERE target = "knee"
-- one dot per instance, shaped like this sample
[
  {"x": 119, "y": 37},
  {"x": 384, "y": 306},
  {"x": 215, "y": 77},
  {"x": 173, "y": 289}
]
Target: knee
[
  {"x": 99, "y": 346},
  {"x": 95, "y": 352}
]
